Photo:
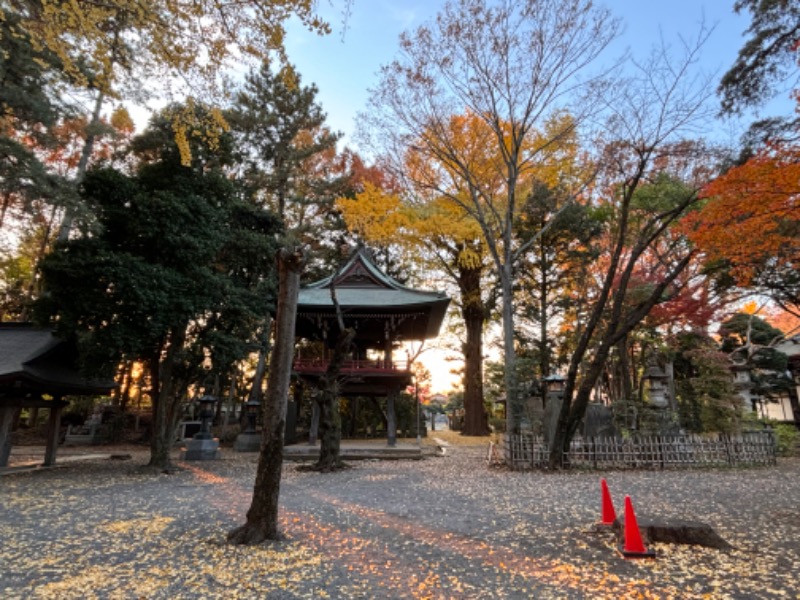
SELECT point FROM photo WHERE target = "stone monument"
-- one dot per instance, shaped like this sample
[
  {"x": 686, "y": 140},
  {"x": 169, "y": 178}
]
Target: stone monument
[{"x": 203, "y": 446}]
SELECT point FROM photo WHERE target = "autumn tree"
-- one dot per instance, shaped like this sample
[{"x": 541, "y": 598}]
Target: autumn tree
[
  {"x": 515, "y": 66},
  {"x": 637, "y": 270},
  {"x": 446, "y": 239},
  {"x": 194, "y": 42},
  {"x": 449, "y": 242},
  {"x": 750, "y": 224},
  {"x": 149, "y": 280},
  {"x": 649, "y": 178}
]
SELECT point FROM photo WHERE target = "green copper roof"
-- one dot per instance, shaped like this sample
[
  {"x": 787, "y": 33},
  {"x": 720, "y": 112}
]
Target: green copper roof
[
  {"x": 365, "y": 293},
  {"x": 361, "y": 283}
]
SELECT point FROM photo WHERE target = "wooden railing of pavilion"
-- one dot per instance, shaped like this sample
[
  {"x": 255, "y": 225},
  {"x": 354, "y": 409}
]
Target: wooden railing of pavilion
[{"x": 354, "y": 367}]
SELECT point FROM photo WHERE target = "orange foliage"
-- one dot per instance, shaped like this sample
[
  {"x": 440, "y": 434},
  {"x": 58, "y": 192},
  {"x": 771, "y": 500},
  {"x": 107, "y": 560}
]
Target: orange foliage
[
  {"x": 785, "y": 321},
  {"x": 63, "y": 157},
  {"x": 752, "y": 213}
]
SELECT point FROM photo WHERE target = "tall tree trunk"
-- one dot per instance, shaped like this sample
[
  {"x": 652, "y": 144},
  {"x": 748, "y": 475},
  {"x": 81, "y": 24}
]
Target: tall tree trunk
[
  {"x": 262, "y": 517},
  {"x": 473, "y": 312},
  {"x": 544, "y": 289},
  {"x": 164, "y": 400},
  {"x": 625, "y": 373},
  {"x": 263, "y": 352},
  {"x": 330, "y": 419},
  {"x": 513, "y": 401},
  {"x": 83, "y": 163}
]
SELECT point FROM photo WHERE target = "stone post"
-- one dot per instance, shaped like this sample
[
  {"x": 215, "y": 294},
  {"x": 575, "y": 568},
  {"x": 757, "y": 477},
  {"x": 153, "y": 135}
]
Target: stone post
[{"x": 391, "y": 420}]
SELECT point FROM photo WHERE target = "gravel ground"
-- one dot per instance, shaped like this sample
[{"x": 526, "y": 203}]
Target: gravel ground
[{"x": 443, "y": 527}]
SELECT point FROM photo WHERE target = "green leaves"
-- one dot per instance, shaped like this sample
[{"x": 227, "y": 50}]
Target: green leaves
[{"x": 169, "y": 247}]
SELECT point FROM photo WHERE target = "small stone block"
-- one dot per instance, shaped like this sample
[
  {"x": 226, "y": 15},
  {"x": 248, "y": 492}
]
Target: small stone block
[
  {"x": 200, "y": 449},
  {"x": 628, "y": 554},
  {"x": 677, "y": 531},
  {"x": 247, "y": 442}
]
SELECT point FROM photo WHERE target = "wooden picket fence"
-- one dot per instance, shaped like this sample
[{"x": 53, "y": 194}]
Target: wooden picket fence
[{"x": 753, "y": 448}]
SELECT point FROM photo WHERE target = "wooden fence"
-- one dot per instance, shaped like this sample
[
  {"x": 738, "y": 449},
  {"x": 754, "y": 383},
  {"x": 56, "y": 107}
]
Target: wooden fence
[{"x": 755, "y": 448}]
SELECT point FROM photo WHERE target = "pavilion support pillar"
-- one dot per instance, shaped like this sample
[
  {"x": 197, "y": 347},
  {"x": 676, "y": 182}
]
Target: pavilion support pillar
[
  {"x": 353, "y": 429},
  {"x": 53, "y": 431},
  {"x": 7, "y": 414},
  {"x": 33, "y": 416},
  {"x": 391, "y": 419}
]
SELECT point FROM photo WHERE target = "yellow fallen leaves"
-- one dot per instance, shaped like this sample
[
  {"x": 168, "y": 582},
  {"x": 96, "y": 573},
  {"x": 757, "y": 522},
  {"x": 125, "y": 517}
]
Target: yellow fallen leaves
[
  {"x": 93, "y": 583},
  {"x": 145, "y": 526},
  {"x": 457, "y": 530}
]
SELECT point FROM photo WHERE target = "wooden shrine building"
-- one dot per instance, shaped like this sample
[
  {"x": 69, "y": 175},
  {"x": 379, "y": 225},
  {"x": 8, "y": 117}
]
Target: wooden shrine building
[
  {"x": 384, "y": 314},
  {"x": 37, "y": 370}
]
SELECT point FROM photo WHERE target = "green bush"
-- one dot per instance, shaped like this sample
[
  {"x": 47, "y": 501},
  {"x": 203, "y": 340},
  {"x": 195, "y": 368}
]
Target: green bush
[
  {"x": 498, "y": 424},
  {"x": 785, "y": 438}
]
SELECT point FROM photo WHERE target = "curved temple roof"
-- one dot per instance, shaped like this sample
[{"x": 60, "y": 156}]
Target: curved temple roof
[
  {"x": 35, "y": 359},
  {"x": 362, "y": 289}
]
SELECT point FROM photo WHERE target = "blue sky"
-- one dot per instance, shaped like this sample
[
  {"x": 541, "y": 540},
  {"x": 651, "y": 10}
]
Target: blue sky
[{"x": 344, "y": 66}]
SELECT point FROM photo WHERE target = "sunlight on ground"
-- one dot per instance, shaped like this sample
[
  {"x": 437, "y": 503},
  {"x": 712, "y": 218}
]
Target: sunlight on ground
[{"x": 454, "y": 438}]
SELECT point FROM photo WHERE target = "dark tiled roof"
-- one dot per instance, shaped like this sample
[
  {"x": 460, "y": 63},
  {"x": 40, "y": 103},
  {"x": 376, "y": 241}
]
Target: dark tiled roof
[{"x": 38, "y": 359}]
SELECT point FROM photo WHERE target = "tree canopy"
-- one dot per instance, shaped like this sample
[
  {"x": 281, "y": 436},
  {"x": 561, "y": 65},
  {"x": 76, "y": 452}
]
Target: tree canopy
[
  {"x": 515, "y": 67},
  {"x": 751, "y": 223},
  {"x": 173, "y": 269},
  {"x": 111, "y": 45},
  {"x": 769, "y": 57}
]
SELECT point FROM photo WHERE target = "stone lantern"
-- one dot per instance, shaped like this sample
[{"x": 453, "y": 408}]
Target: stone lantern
[
  {"x": 743, "y": 382},
  {"x": 203, "y": 446},
  {"x": 251, "y": 408},
  {"x": 554, "y": 386},
  {"x": 249, "y": 440},
  {"x": 657, "y": 386}
]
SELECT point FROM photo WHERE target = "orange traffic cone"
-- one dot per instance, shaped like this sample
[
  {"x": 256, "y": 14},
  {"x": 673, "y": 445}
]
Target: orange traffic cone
[
  {"x": 633, "y": 547},
  {"x": 607, "y": 513}
]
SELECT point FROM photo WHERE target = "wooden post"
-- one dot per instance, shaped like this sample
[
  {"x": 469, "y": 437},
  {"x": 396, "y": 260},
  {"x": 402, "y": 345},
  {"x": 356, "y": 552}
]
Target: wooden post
[
  {"x": 53, "y": 430},
  {"x": 6, "y": 419},
  {"x": 33, "y": 417},
  {"x": 391, "y": 420}
]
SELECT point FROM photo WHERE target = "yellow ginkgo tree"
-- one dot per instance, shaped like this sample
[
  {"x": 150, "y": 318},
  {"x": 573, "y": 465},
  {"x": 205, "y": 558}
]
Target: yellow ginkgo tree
[
  {"x": 516, "y": 66},
  {"x": 433, "y": 218},
  {"x": 439, "y": 232}
]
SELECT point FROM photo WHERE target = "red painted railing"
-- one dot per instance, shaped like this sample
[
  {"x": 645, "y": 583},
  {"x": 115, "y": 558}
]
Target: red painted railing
[{"x": 365, "y": 366}]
